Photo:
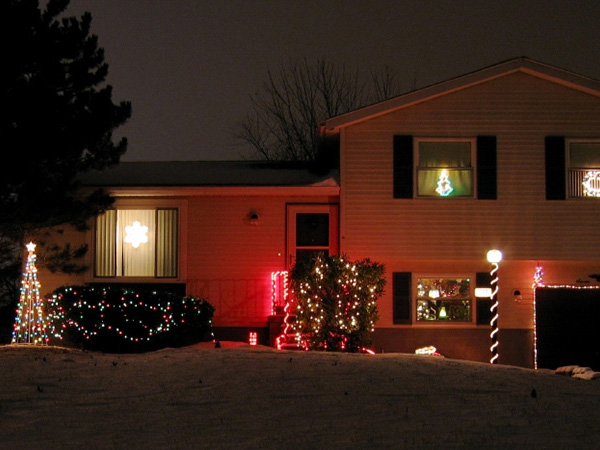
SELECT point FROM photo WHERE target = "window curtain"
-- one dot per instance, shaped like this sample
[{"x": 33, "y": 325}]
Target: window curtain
[
  {"x": 105, "y": 264},
  {"x": 445, "y": 154},
  {"x": 166, "y": 243},
  {"x": 584, "y": 155},
  {"x": 135, "y": 262}
]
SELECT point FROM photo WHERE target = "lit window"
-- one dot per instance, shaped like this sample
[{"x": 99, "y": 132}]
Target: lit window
[
  {"x": 136, "y": 243},
  {"x": 583, "y": 169},
  {"x": 445, "y": 168},
  {"x": 444, "y": 300}
]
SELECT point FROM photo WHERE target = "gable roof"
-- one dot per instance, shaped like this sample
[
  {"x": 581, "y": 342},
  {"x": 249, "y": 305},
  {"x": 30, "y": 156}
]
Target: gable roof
[
  {"x": 207, "y": 174},
  {"x": 522, "y": 64}
]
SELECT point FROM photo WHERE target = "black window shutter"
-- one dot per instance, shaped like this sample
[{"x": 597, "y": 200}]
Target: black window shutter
[
  {"x": 483, "y": 280},
  {"x": 555, "y": 168},
  {"x": 401, "y": 282},
  {"x": 403, "y": 166},
  {"x": 486, "y": 168}
]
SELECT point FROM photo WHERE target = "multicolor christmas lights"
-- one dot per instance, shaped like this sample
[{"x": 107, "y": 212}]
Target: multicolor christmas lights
[
  {"x": 31, "y": 322},
  {"x": 100, "y": 316}
]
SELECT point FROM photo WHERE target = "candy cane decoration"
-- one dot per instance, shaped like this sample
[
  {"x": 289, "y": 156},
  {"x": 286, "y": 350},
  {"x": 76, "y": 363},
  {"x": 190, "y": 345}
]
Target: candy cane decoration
[{"x": 494, "y": 257}]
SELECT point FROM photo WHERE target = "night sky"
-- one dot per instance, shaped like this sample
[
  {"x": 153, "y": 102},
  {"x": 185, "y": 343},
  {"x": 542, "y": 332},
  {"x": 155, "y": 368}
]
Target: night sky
[{"x": 189, "y": 67}]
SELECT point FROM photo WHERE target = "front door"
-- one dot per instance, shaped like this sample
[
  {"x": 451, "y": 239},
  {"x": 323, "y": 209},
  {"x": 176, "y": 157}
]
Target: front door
[{"x": 311, "y": 230}]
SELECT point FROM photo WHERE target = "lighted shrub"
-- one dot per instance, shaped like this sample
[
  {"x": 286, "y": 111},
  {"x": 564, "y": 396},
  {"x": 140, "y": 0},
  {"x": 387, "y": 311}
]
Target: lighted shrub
[
  {"x": 336, "y": 305},
  {"x": 126, "y": 320}
]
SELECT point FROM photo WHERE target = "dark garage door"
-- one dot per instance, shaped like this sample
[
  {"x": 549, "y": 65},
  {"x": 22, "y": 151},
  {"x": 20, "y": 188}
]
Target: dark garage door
[{"x": 568, "y": 327}]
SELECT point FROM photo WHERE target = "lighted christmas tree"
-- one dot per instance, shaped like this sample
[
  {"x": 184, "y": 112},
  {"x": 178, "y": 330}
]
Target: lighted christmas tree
[
  {"x": 30, "y": 323},
  {"x": 444, "y": 187},
  {"x": 335, "y": 300}
]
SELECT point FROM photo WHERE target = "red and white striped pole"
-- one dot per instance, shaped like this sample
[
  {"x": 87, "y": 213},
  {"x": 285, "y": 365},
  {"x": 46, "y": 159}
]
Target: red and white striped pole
[{"x": 494, "y": 257}]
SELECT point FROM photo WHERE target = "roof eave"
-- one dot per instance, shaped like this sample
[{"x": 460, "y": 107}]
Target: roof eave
[{"x": 541, "y": 70}]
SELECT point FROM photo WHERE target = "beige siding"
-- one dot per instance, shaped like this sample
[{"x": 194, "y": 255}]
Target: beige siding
[
  {"x": 230, "y": 260},
  {"x": 415, "y": 234}
]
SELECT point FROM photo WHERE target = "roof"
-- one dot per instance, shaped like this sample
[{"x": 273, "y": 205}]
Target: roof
[
  {"x": 522, "y": 64},
  {"x": 208, "y": 174}
]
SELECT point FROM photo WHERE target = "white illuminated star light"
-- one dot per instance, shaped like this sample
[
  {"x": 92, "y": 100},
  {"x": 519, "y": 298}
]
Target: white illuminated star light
[{"x": 136, "y": 234}]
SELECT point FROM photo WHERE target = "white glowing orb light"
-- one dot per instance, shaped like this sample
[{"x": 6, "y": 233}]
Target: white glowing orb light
[
  {"x": 494, "y": 257},
  {"x": 136, "y": 234}
]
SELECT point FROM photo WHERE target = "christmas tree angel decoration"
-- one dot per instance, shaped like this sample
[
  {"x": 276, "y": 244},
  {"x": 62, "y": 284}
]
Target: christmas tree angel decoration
[{"x": 30, "y": 322}]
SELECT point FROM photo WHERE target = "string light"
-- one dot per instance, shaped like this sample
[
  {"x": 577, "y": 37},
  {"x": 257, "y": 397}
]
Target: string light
[
  {"x": 31, "y": 321},
  {"x": 558, "y": 286},
  {"x": 94, "y": 313}
]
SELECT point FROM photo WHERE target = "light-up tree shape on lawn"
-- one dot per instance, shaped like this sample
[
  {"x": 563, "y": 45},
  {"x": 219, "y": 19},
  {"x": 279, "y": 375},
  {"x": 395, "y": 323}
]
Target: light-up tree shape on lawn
[{"x": 30, "y": 322}]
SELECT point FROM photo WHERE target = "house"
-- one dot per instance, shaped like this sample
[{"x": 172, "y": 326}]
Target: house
[{"x": 507, "y": 157}]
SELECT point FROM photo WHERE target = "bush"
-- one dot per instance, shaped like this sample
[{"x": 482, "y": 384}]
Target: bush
[
  {"x": 336, "y": 305},
  {"x": 124, "y": 320}
]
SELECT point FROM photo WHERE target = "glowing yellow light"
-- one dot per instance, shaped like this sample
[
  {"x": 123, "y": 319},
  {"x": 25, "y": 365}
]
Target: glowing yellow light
[{"x": 136, "y": 234}]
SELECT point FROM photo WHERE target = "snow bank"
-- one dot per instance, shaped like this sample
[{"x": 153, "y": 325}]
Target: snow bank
[{"x": 245, "y": 397}]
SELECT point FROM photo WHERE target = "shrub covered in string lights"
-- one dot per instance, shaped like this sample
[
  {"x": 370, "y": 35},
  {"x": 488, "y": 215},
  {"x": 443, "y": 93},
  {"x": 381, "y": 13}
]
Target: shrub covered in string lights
[
  {"x": 336, "y": 302},
  {"x": 125, "y": 320}
]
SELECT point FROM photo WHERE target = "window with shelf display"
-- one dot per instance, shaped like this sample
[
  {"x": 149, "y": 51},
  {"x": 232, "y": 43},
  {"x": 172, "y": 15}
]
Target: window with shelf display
[
  {"x": 444, "y": 300},
  {"x": 445, "y": 168},
  {"x": 137, "y": 243}
]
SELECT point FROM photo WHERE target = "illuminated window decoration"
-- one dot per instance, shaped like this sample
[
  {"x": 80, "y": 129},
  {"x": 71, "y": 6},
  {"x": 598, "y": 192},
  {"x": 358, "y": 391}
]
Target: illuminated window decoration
[
  {"x": 591, "y": 184},
  {"x": 494, "y": 257},
  {"x": 137, "y": 243},
  {"x": 444, "y": 168},
  {"x": 30, "y": 321},
  {"x": 444, "y": 300},
  {"x": 444, "y": 186},
  {"x": 136, "y": 234}
]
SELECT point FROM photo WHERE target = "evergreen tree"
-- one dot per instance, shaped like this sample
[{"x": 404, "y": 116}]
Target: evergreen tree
[
  {"x": 57, "y": 122},
  {"x": 335, "y": 300}
]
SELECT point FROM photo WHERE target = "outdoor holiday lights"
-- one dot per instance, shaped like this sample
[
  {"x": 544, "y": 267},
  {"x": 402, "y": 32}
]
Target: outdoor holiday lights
[
  {"x": 119, "y": 313},
  {"x": 30, "y": 322},
  {"x": 494, "y": 257}
]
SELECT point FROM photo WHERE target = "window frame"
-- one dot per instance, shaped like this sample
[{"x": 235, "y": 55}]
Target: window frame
[
  {"x": 472, "y": 169},
  {"x": 573, "y": 179},
  {"x": 443, "y": 276},
  {"x": 144, "y": 204}
]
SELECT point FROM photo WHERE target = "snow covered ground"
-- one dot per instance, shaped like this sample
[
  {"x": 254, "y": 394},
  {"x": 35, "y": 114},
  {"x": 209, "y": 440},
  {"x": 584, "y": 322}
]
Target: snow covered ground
[{"x": 255, "y": 397}]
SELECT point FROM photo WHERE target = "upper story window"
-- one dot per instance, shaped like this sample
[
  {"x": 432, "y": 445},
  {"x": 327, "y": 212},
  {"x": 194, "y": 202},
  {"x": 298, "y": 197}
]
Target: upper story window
[
  {"x": 137, "y": 243},
  {"x": 583, "y": 169},
  {"x": 445, "y": 168}
]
